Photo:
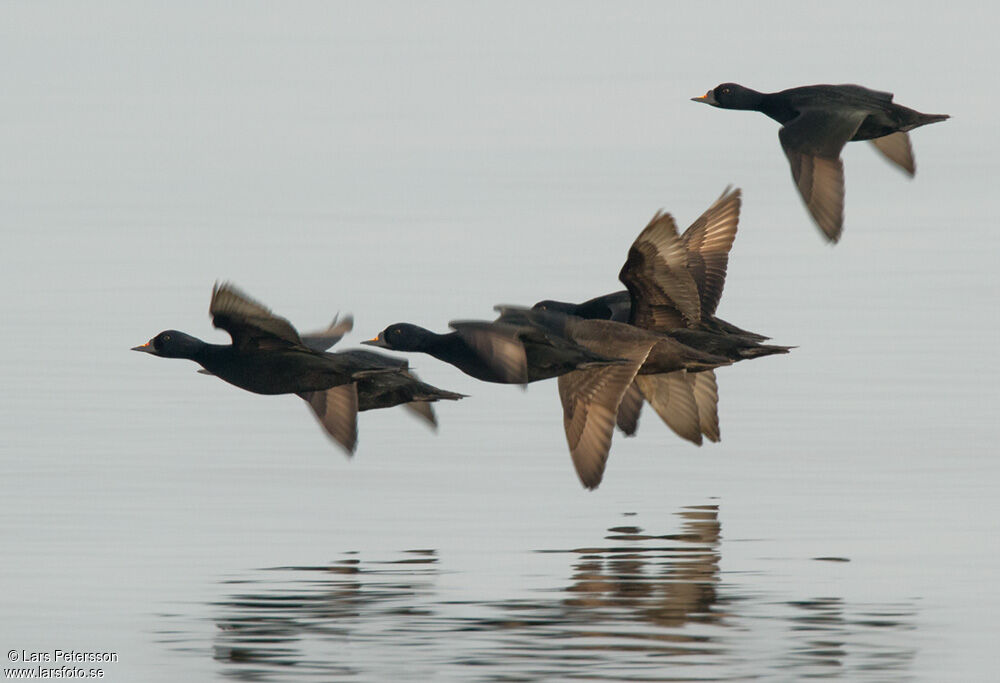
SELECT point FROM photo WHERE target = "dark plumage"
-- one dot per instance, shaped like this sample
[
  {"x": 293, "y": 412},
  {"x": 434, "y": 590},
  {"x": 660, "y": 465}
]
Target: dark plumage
[
  {"x": 267, "y": 356},
  {"x": 500, "y": 351},
  {"x": 616, "y": 306},
  {"x": 593, "y": 398},
  {"x": 384, "y": 390},
  {"x": 656, "y": 353},
  {"x": 817, "y": 121},
  {"x": 595, "y": 361},
  {"x": 674, "y": 285}
]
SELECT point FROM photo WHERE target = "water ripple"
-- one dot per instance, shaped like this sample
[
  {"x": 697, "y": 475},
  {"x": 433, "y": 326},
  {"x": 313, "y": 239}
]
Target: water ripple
[{"x": 639, "y": 606}]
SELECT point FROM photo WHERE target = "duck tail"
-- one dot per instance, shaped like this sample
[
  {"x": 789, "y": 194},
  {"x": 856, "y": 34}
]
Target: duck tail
[
  {"x": 931, "y": 118},
  {"x": 759, "y": 350}
]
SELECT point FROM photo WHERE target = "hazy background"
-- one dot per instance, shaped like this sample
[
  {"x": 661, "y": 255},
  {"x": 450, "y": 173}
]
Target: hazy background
[{"x": 422, "y": 163}]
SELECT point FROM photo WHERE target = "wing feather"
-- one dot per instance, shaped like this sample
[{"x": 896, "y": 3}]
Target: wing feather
[
  {"x": 672, "y": 397},
  {"x": 590, "y": 400},
  {"x": 629, "y": 409},
  {"x": 337, "y": 412},
  {"x": 706, "y": 396},
  {"x": 812, "y": 142},
  {"x": 250, "y": 324},
  {"x": 497, "y": 344},
  {"x": 896, "y": 148},
  {"x": 708, "y": 241},
  {"x": 664, "y": 294}
]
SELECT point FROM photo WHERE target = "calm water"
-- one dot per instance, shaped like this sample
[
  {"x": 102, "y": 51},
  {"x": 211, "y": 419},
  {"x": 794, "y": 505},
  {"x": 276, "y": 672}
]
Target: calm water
[
  {"x": 635, "y": 605},
  {"x": 424, "y": 164}
]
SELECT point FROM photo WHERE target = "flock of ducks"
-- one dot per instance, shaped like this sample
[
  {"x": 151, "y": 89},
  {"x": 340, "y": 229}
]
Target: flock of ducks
[{"x": 656, "y": 342}]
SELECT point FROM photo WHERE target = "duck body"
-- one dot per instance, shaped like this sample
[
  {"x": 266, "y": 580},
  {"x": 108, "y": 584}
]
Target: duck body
[
  {"x": 501, "y": 352},
  {"x": 617, "y": 306},
  {"x": 387, "y": 389},
  {"x": 658, "y": 353},
  {"x": 817, "y": 121},
  {"x": 882, "y": 115},
  {"x": 268, "y": 356},
  {"x": 290, "y": 370}
]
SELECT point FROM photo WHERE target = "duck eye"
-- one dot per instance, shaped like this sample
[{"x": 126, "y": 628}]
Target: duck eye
[{"x": 166, "y": 337}]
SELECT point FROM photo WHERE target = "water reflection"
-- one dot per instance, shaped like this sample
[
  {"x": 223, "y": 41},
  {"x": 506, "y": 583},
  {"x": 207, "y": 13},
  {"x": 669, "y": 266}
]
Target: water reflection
[{"x": 638, "y": 606}]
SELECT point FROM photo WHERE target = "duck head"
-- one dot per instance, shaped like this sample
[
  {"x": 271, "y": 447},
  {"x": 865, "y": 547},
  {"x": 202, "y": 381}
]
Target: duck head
[
  {"x": 172, "y": 344},
  {"x": 402, "y": 337},
  {"x": 730, "y": 96}
]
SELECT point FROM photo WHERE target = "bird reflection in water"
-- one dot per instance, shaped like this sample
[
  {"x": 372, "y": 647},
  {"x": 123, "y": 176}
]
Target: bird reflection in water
[
  {"x": 665, "y": 580},
  {"x": 639, "y": 606}
]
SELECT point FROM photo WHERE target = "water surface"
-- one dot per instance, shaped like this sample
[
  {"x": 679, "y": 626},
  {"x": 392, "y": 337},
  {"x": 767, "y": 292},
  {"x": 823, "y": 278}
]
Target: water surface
[{"x": 423, "y": 163}]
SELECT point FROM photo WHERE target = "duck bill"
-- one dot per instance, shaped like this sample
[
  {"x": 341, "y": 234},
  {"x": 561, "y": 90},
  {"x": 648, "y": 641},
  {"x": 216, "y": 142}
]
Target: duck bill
[
  {"x": 378, "y": 341},
  {"x": 145, "y": 348},
  {"x": 707, "y": 98}
]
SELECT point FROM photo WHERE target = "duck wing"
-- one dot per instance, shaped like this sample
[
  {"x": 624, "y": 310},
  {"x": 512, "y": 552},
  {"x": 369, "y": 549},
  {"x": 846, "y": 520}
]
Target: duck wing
[
  {"x": 497, "y": 344},
  {"x": 896, "y": 148},
  {"x": 664, "y": 294},
  {"x": 706, "y": 395},
  {"x": 672, "y": 397},
  {"x": 590, "y": 400},
  {"x": 337, "y": 412},
  {"x": 424, "y": 397},
  {"x": 251, "y": 325},
  {"x": 863, "y": 94},
  {"x": 629, "y": 409},
  {"x": 424, "y": 411},
  {"x": 708, "y": 241},
  {"x": 321, "y": 340},
  {"x": 812, "y": 142}
]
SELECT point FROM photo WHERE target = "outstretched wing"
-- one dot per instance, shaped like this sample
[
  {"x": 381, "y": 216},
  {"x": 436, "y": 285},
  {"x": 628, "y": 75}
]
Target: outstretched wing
[
  {"x": 590, "y": 401},
  {"x": 706, "y": 395},
  {"x": 897, "y": 149},
  {"x": 250, "y": 324},
  {"x": 337, "y": 412},
  {"x": 672, "y": 397},
  {"x": 708, "y": 241},
  {"x": 629, "y": 410},
  {"x": 812, "y": 142},
  {"x": 664, "y": 295},
  {"x": 424, "y": 411}
]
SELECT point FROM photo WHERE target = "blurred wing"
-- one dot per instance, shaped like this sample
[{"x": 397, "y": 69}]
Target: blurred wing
[
  {"x": 321, "y": 340},
  {"x": 497, "y": 344},
  {"x": 251, "y": 325},
  {"x": 590, "y": 401},
  {"x": 897, "y": 149},
  {"x": 629, "y": 409},
  {"x": 672, "y": 397},
  {"x": 337, "y": 411},
  {"x": 865, "y": 94},
  {"x": 812, "y": 142},
  {"x": 613, "y": 340},
  {"x": 706, "y": 396},
  {"x": 821, "y": 184},
  {"x": 424, "y": 411},
  {"x": 664, "y": 295},
  {"x": 708, "y": 242}
]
